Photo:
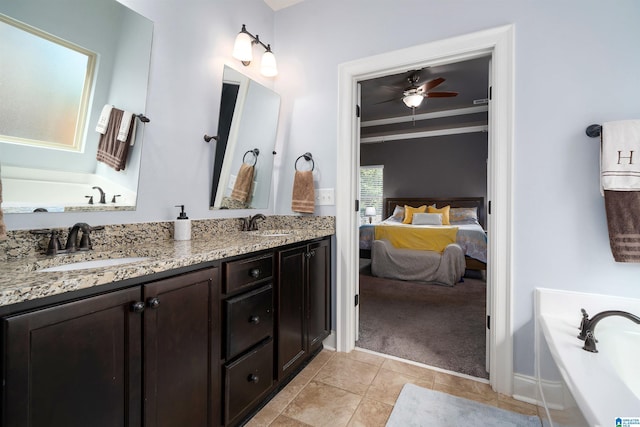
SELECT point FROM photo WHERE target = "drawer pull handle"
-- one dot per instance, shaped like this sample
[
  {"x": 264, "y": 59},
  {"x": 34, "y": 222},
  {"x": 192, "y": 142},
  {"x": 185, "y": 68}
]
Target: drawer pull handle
[
  {"x": 254, "y": 272},
  {"x": 254, "y": 319},
  {"x": 137, "y": 307},
  {"x": 253, "y": 378},
  {"x": 153, "y": 302}
]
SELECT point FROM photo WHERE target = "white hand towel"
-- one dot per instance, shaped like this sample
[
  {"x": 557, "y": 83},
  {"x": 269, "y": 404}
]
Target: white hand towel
[
  {"x": 620, "y": 156},
  {"x": 103, "y": 120},
  {"x": 123, "y": 132}
]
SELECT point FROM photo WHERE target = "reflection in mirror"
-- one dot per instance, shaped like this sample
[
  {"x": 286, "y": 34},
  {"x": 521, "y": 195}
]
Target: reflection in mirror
[
  {"x": 247, "y": 128},
  {"x": 49, "y": 156}
]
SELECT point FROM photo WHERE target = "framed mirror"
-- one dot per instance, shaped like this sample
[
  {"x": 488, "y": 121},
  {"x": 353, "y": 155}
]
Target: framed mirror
[
  {"x": 247, "y": 126},
  {"x": 62, "y": 63}
]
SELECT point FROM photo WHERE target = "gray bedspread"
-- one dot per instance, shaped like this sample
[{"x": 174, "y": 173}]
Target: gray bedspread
[{"x": 424, "y": 266}]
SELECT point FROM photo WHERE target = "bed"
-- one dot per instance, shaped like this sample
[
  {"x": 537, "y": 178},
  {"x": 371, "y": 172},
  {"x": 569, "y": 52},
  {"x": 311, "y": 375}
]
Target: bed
[{"x": 471, "y": 236}]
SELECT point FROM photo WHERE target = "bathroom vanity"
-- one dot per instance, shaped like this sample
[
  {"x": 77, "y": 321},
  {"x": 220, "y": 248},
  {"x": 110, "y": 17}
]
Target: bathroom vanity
[{"x": 200, "y": 333}]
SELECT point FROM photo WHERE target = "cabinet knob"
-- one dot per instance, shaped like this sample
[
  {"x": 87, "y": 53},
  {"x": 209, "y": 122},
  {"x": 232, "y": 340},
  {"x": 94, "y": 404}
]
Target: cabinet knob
[
  {"x": 253, "y": 378},
  {"x": 254, "y": 272},
  {"x": 254, "y": 319},
  {"x": 137, "y": 307},
  {"x": 153, "y": 302},
  {"x": 307, "y": 255}
]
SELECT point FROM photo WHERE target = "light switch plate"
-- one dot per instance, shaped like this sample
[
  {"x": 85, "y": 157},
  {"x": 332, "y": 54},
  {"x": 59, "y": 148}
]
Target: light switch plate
[{"x": 325, "y": 196}]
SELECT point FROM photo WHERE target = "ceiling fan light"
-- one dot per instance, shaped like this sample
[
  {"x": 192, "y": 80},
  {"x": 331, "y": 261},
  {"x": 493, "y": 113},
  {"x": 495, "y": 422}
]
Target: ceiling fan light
[
  {"x": 242, "y": 48},
  {"x": 268, "y": 66},
  {"x": 412, "y": 101}
]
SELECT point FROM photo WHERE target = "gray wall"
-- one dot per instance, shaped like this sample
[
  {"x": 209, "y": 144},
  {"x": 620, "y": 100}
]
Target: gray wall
[{"x": 442, "y": 166}]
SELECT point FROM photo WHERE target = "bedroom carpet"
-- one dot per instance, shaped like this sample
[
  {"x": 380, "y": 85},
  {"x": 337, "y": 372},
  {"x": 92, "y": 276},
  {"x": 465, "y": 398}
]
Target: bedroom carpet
[
  {"x": 417, "y": 407},
  {"x": 435, "y": 325}
]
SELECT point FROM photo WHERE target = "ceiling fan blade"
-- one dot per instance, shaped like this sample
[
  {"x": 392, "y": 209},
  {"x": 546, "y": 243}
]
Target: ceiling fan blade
[
  {"x": 441, "y": 94},
  {"x": 433, "y": 83},
  {"x": 388, "y": 100}
]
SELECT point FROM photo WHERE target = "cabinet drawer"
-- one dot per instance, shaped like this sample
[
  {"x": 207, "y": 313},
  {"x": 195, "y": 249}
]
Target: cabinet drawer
[
  {"x": 247, "y": 379},
  {"x": 249, "y": 320},
  {"x": 246, "y": 272}
]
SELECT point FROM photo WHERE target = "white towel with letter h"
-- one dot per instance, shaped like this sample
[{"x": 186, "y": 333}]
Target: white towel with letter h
[{"x": 620, "y": 156}]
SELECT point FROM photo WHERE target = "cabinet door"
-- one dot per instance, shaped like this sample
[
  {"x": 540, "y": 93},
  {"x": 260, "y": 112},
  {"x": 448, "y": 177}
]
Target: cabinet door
[
  {"x": 318, "y": 294},
  {"x": 291, "y": 309},
  {"x": 75, "y": 364},
  {"x": 181, "y": 343}
]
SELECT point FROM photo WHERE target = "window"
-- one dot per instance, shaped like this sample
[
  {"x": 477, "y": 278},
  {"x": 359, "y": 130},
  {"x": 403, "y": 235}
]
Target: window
[
  {"x": 45, "y": 85},
  {"x": 371, "y": 192}
]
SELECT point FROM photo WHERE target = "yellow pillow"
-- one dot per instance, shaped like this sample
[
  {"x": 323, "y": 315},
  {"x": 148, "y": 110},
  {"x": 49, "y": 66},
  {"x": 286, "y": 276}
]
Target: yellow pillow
[
  {"x": 409, "y": 211},
  {"x": 444, "y": 211}
]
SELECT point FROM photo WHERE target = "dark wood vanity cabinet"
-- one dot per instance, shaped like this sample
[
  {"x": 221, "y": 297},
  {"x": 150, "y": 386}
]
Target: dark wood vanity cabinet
[
  {"x": 203, "y": 348},
  {"x": 138, "y": 356},
  {"x": 247, "y": 368},
  {"x": 303, "y": 303}
]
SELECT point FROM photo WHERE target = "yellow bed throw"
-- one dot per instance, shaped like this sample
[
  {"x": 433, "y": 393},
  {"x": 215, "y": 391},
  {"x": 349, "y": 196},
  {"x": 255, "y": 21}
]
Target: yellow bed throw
[{"x": 422, "y": 238}]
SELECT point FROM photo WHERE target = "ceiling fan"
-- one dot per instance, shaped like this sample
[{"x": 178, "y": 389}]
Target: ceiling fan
[{"x": 414, "y": 94}]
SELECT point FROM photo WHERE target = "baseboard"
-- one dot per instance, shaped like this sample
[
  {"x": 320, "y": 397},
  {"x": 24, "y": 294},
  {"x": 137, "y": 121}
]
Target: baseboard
[
  {"x": 330, "y": 342},
  {"x": 525, "y": 388}
]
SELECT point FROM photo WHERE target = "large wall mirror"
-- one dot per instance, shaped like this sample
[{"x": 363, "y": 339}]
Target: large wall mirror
[
  {"x": 247, "y": 127},
  {"x": 51, "y": 108}
]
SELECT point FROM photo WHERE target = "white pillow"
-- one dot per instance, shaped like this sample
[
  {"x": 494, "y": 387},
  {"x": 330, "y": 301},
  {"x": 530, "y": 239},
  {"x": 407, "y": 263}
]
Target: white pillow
[{"x": 427, "y": 219}]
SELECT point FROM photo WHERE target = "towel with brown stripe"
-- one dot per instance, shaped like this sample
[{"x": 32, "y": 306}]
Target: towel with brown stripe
[
  {"x": 303, "y": 198},
  {"x": 111, "y": 151},
  {"x": 620, "y": 185},
  {"x": 623, "y": 218},
  {"x": 244, "y": 183}
]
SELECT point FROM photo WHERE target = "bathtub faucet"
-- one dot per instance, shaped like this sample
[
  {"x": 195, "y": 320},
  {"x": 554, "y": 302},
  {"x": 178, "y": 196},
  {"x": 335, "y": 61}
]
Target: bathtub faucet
[
  {"x": 588, "y": 326},
  {"x": 102, "y": 195}
]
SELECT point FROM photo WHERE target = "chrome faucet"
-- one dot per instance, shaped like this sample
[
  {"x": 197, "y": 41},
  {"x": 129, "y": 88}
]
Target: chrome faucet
[
  {"x": 102, "y": 195},
  {"x": 587, "y": 326},
  {"x": 253, "y": 221}
]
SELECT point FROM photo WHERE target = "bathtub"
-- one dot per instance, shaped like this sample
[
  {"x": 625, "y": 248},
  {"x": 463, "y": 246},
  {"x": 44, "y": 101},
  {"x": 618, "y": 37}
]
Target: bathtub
[
  {"x": 604, "y": 385},
  {"x": 24, "y": 190}
]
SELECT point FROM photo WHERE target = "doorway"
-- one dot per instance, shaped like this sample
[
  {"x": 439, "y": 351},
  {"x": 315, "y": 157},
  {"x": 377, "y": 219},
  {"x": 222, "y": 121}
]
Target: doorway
[
  {"x": 438, "y": 149},
  {"x": 498, "y": 43}
]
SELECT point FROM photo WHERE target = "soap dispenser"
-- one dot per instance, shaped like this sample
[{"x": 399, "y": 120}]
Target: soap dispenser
[{"x": 182, "y": 227}]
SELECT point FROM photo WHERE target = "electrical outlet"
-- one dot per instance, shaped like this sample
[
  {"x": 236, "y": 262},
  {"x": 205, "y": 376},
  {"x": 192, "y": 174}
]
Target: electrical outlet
[{"x": 325, "y": 196}]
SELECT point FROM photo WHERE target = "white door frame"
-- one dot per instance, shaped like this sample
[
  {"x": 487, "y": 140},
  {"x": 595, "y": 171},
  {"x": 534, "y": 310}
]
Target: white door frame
[{"x": 499, "y": 42}]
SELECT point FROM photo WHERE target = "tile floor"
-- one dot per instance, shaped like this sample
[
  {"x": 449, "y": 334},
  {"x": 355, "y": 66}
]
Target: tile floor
[{"x": 360, "y": 389}]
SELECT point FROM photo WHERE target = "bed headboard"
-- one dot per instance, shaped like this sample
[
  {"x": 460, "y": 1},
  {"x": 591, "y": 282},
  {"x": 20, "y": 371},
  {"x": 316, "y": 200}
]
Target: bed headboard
[{"x": 455, "y": 202}]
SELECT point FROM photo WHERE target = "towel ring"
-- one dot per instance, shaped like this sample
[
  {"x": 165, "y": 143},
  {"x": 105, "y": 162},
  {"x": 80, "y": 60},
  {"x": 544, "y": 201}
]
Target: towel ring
[
  {"x": 255, "y": 153},
  {"x": 309, "y": 158}
]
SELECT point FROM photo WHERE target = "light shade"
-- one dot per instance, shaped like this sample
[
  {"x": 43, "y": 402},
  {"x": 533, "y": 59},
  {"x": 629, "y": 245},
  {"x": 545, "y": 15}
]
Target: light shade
[
  {"x": 268, "y": 66},
  {"x": 413, "y": 100},
  {"x": 370, "y": 211},
  {"x": 242, "y": 47}
]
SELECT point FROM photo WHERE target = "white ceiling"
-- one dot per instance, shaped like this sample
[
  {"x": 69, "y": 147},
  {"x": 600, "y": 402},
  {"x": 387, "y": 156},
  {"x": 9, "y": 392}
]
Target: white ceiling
[{"x": 281, "y": 4}]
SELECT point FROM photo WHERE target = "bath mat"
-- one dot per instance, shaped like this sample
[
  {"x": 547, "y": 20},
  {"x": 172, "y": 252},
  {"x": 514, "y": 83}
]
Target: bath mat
[{"x": 417, "y": 406}]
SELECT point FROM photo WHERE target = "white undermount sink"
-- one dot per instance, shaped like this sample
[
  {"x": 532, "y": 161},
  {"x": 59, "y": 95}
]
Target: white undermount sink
[{"x": 96, "y": 263}]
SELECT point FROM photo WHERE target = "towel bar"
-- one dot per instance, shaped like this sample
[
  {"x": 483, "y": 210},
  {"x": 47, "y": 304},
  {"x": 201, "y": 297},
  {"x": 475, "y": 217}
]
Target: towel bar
[
  {"x": 143, "y": 118},
  {"x": 594, "y": 131},
  {"x": 309, "y": 158}
]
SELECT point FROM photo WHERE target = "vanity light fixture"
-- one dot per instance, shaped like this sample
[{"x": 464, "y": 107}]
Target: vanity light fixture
[{"x": 242, "y": 51}]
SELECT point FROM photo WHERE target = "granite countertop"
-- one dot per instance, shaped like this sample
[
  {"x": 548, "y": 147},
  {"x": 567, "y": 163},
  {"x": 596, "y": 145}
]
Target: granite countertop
[{"x": 21, "y": 281}]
